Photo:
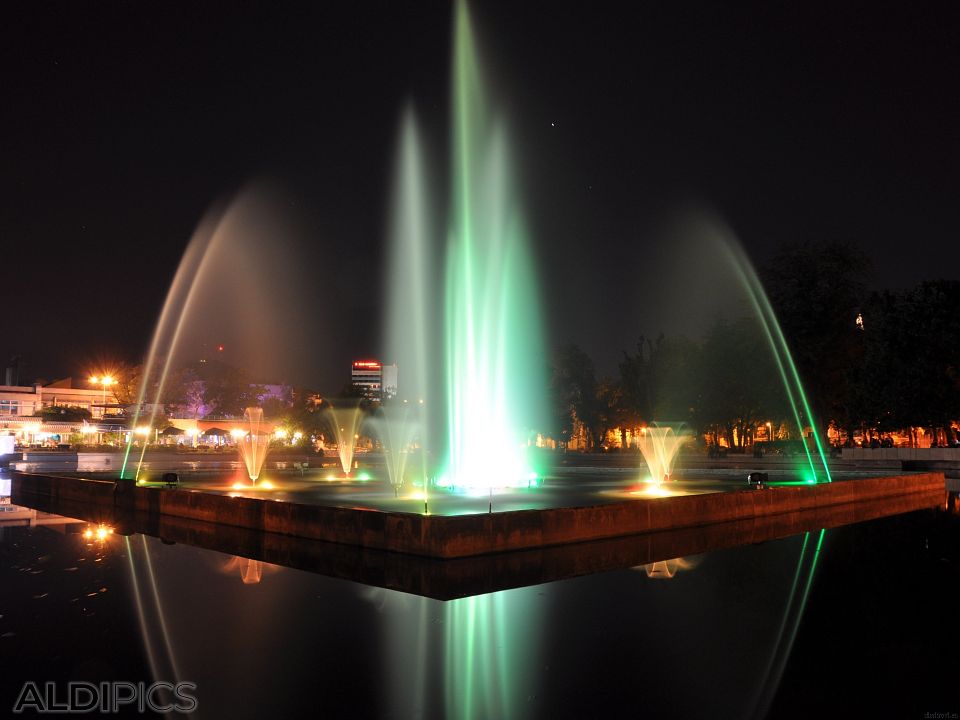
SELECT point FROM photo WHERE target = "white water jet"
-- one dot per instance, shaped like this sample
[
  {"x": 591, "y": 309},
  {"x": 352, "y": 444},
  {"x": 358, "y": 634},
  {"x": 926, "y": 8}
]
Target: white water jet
[
  {"x": 659, "y": 445},
  {"x": 345, "y": 423},
  {"x": 255, "y": 443}
]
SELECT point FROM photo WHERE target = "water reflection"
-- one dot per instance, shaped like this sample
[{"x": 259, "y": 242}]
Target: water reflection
[
  {"x": 721, "y": 641},
  {"x": 251, "y": 571},
  {"x": 667, "y": 569}
]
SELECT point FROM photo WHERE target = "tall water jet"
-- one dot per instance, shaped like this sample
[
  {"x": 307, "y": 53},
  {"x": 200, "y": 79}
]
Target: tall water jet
[
  {"x": 492, "y": 328},
  {"x": 345, "y": 422},
  {"x": 254, "y": 443},
  {"x": 227, "y": 251},
  {"x": 414, "y": 296},
  {"x": 398, "y": 430},
  {"x": 659, "y": 445}
]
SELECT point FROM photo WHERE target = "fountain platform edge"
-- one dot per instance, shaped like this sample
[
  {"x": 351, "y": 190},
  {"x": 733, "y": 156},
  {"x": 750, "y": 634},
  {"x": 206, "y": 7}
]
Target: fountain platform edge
[{"x": 461, "y": 536}]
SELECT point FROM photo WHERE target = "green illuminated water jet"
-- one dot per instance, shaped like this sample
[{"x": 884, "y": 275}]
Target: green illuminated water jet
[
  {"x": 488, "y": 335},
  {"x": 492, "y": 324},
  {"x": 800, "y": 407}
]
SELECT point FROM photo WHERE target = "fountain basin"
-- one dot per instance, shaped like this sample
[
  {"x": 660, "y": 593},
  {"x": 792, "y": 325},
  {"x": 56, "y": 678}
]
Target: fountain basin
[{"x": 457, "y": 536}]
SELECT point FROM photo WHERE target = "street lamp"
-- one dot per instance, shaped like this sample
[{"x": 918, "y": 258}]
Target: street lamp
[{"x": 103, "y": 380}]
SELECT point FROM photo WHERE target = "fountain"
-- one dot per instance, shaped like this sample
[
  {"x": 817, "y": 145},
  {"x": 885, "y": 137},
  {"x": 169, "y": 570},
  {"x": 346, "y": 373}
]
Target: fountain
[
  {"x": 345, "y": 423},
  {"x": 490, "y": 330},
  {"x": 659, "y": 445},
  {"x": 227, "y": 251},
  {"x": 398, "y": 430},
  {"x": 254, "y": 443}
]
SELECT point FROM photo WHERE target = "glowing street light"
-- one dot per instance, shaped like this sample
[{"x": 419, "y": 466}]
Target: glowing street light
[{"x": 104, "y": 381}]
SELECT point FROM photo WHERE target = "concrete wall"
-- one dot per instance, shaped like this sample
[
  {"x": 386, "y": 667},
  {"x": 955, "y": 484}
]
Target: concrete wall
[
  {"x": 467, "y": 535},
  {"x": 923, "y": 454}
]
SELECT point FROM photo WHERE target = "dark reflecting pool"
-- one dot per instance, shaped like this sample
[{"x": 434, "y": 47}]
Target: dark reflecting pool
[{"x": 860, "y": 618}]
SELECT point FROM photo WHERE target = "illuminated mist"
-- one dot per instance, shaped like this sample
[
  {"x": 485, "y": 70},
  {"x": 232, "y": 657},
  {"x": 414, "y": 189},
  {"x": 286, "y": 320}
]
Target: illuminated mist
[
  {"x": 255, "y": 443},
  {"x": 491, "y": 346}
]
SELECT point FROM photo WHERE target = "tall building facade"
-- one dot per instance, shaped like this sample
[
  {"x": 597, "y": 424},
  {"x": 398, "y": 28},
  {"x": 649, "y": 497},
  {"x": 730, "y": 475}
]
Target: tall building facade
[{"x": 374, "y": 378}]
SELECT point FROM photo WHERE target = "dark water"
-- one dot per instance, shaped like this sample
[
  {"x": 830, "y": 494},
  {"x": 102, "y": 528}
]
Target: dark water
[{"x": 724, "y": 637}]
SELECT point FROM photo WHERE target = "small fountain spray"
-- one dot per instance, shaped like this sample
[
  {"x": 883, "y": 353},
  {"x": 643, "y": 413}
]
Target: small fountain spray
[
  {"x": 254, "y": 443},
  {"x": 659, "y": 445},
  {"x": 398, "y": 430},
  {"x": 345, "y": 423}
]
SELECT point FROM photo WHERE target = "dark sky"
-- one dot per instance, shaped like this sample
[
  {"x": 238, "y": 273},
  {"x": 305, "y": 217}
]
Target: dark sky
[{"x": 123, "y": 122}]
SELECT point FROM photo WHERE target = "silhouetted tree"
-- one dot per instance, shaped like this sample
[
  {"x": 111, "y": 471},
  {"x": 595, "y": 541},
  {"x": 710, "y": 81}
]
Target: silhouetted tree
[
  {"x": 816, "y": 289},
  {"x": 575, "y": 387}
]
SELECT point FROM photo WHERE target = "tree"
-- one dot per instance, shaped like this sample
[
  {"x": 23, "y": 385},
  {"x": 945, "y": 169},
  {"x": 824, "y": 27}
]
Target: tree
[
  {"x": 910, "y": 359},
  {"x": 64, "y": 413},
  {"x": 574, "y": 386},
  {"x": 738, "y": 382},
  {"x": 227, "y": 390},
  {"x": 816, "y": 290}
]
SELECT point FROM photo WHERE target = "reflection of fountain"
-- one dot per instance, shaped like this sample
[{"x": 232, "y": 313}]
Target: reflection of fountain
[
  {"x": 660, "y": 445},
  {"x": 345, "y": 423},
  {"x": 397, "y": 429},
  {"x": 666, "y": 569},
  {"x": 491, "y": 345},
  {"x": 255, "y": 443},
  {"x": 251, "y": 571}
]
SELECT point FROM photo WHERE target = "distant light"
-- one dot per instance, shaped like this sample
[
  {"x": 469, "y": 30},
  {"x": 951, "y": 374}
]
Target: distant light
[
  {"x": 100, "y": 533},
  {"x": 143, "y": 430},
  {"x": 266, "y": 485},
  {"x": 237, "y": 433},
  {"x": 219, "y": 348}
]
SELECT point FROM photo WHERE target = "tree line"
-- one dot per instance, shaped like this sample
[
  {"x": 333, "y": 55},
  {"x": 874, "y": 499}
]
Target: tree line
[{"x": 871, "y": 363}]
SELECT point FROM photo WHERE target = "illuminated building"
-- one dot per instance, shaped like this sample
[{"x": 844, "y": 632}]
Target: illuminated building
[{"x": 374, "y": 378}]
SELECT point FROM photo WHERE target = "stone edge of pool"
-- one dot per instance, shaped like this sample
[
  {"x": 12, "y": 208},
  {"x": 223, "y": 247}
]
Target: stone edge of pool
[{"x": 460, "y": 536}]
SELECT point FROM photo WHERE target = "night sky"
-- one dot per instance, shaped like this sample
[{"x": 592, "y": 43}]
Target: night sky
[{"x": 123, "y": 122}]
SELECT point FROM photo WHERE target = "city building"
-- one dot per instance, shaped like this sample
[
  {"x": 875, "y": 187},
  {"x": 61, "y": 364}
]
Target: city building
[
  {"x": 374, "y": 378},
  {"x": 29, "y": 412}
]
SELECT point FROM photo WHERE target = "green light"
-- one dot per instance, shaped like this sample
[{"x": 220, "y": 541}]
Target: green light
[
  {"x": 492, "y": 325},
  {"x": 781, "y": 354},
  {"x": 792, "y": 616}
]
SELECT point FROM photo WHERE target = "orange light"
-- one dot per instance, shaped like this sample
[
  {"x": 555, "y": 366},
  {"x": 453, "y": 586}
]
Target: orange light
[{"x": 366, "y": 364}]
